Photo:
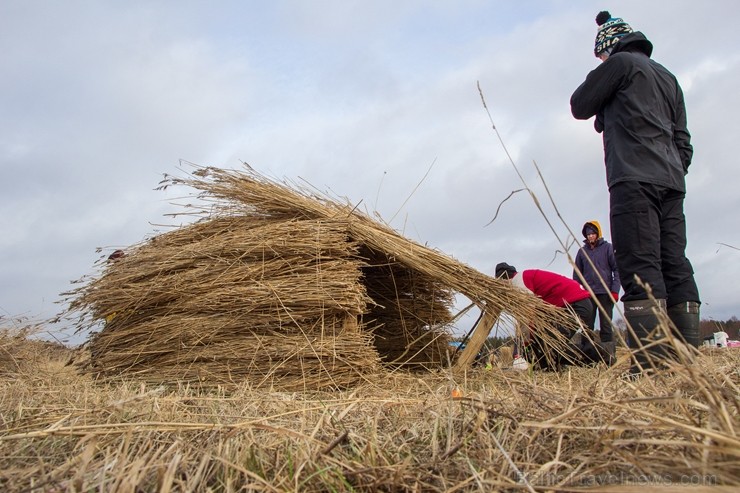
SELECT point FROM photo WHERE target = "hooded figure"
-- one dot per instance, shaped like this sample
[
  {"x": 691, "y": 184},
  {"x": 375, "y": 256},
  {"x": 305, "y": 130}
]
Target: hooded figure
[
  {"x": 597, "y": 265},
  {"x": 639, "y": 109}
]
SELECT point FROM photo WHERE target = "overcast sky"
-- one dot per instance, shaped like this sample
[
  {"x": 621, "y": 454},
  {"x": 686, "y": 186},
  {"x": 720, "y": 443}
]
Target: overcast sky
[{"x": 376, "y": 101}]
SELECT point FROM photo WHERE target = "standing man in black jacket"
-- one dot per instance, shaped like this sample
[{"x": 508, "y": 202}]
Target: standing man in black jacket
[{"x": 639, "y": 108}]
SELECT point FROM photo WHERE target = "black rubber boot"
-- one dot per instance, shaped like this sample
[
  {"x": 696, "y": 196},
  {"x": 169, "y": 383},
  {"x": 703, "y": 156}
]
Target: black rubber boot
[
  {"x": 685, "y": 316},
  {"x": 611, "y": 352},
  {"x": 642, "y": 316}
]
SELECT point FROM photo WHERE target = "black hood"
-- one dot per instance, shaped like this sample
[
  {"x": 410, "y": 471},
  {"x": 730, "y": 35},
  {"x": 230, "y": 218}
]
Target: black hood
[
  {"x": 635, "y": 41},
  {"x": 505, "y": 270}
]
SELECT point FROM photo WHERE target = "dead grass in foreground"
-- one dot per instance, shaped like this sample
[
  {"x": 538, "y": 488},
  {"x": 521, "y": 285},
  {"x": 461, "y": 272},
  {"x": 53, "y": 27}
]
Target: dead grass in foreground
[{"x": 582, "y": 429}]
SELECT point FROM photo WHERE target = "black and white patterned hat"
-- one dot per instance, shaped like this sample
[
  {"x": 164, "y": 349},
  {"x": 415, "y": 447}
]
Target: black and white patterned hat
[{"x": 610, "y": 30}]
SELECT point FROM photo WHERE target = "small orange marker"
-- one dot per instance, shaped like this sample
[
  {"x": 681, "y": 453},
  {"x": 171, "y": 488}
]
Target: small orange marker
[{"x": 456, "y": 392}]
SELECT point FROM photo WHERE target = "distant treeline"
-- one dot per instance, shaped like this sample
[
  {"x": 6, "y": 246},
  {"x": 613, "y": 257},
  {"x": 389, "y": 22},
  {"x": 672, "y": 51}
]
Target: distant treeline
[{"x": 731, "y": 326}]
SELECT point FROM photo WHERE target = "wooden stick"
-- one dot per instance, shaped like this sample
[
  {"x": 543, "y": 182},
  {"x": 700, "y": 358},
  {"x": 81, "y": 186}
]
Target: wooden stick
[{"x": 490, "y": 315}]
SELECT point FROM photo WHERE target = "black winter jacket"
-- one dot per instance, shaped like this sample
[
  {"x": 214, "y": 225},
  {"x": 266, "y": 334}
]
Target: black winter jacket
[{"x": 639, "y": 106}]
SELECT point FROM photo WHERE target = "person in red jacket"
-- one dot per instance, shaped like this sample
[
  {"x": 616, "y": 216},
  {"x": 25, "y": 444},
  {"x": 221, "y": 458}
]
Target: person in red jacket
[
  {"x": 553, "y": 288},
  {"x": 562, "y": 292}
]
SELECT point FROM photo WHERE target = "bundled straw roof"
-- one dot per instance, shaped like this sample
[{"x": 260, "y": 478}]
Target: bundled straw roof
[{"x": 279, "y": 286}]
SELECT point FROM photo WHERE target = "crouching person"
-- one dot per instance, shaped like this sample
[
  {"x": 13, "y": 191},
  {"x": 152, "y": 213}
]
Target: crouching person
[{"x": 567, "y": 294}]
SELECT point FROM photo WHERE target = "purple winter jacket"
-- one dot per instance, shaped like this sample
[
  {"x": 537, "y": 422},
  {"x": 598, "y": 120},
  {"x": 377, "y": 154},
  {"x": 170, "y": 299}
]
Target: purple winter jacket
[{"x": 602, "y": 256}]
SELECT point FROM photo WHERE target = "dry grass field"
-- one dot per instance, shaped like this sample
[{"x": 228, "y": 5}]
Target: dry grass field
[{"x": 582, "y": 429}]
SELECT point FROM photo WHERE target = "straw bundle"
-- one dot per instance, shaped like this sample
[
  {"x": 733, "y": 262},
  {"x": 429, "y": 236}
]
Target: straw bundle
[
  {"x": 20, "y": 352},
  {"x": 281, "y": 287},
  {"x": 234, "y": 298}
]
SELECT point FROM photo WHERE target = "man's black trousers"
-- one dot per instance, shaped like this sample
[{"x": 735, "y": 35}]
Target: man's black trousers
[{"x": 649, "y": 235}]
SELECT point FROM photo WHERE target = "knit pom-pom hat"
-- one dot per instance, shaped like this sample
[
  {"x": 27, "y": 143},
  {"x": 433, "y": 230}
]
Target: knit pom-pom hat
[{"x": 611, "y": 29}]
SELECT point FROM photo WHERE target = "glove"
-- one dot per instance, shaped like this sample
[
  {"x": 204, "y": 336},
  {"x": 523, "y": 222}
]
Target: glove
[{"x": 615, "y": 296}]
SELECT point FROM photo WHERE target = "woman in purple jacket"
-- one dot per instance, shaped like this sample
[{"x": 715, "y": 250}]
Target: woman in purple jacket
[{"x": 596, "y": 263}]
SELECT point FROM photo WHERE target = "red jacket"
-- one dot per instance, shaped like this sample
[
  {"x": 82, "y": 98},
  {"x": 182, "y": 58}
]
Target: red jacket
[{"x": 551, "y": 287}]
